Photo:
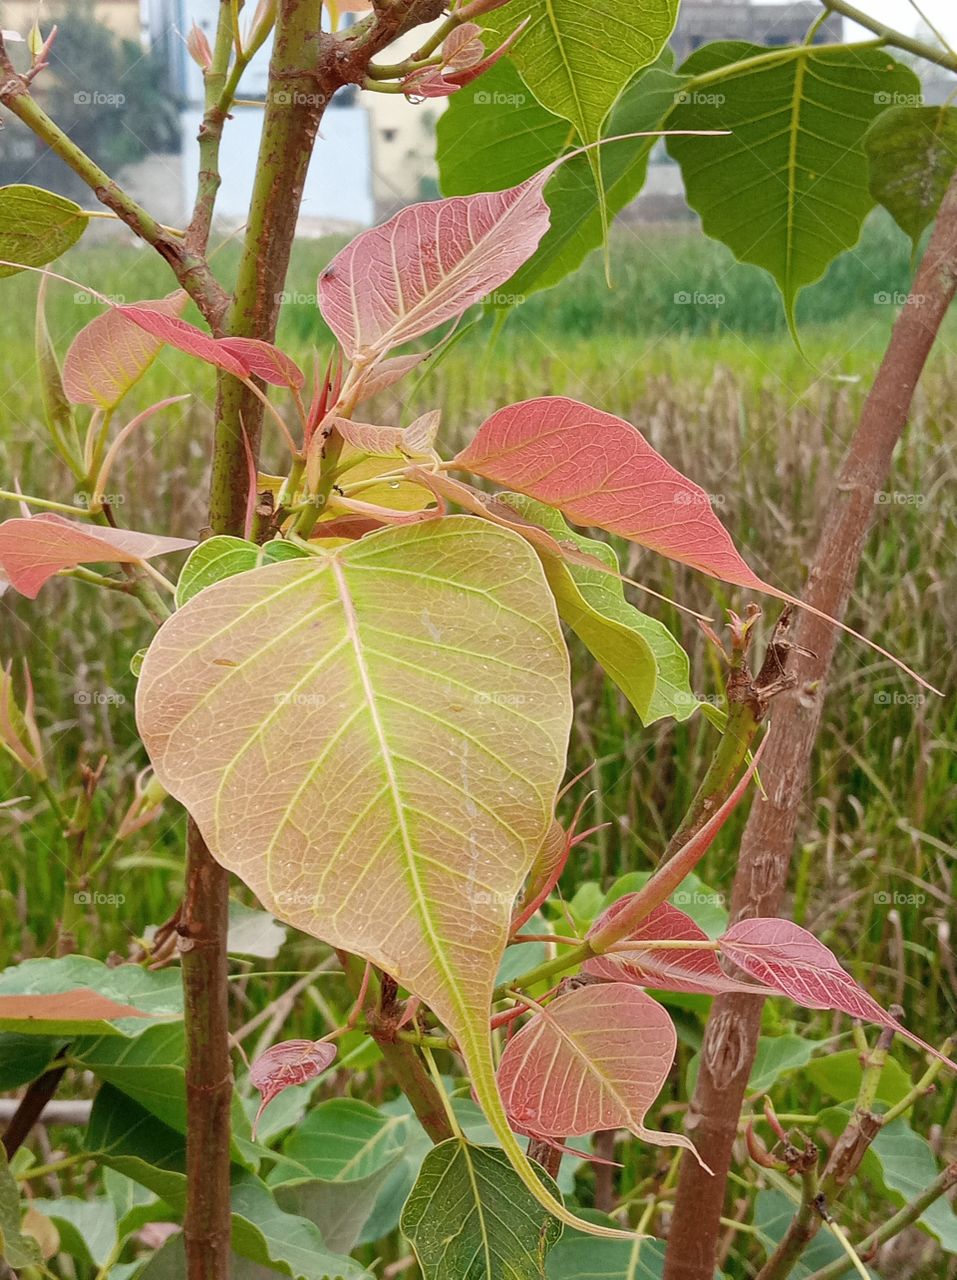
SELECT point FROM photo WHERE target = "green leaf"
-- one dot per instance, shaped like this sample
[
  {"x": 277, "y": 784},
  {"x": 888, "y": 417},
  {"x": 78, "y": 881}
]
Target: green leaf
[
  {"x": 222, "y": 557},
  {"x": 497, "y": 136},
  {"x": 470, "y": 1218},
  {"x": 787, "y": 189},
  {"x": 424, "y": 685},
  {"x": 126, "y": 1138},
  {"x": 36, "y": 226},
  {"x": 908, "y": 1165},
  {"x": 23, "y": 1058},
  {"x": 775, "y": 1057},
  {"x": 638, "y": 653},
  {"x": 839, "y": 1075},
  {"x": 483, "y": 146},
  {"x": 87, "y": 1227},
  {"x": 15, "y": 1248},
  {"x": 253, "y": 933},
  {"x": 335, "y": 1164},
  {"x": 158, "y": 995},
  {"x": 577, "y": 56},
  {"x": 703, "y": 904},
  {"x": 912, "y": 154}
]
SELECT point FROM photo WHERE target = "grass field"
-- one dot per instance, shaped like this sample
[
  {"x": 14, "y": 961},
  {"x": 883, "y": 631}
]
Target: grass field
[{"x": 721, "y": 391}]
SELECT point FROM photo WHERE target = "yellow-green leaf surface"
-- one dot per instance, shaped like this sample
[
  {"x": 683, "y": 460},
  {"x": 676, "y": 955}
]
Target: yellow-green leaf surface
[
  {"x": 36, "y": 226},
  {"x": 639, "y": 653},
  {"x": 373, "y": 739},
  {"x": 787, "y": 188}
]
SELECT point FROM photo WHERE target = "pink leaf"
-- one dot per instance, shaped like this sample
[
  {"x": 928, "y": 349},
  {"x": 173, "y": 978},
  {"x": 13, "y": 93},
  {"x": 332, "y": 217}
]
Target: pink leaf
[
  {"x": 186, "y": 337},
  {"x": 692, "y": 970},
  {"x": 599, "y": 470},
  {"x": 34, "y": 548},
  {"x": 429, "y": 263},
  {"x": 111, "y": 354},
  {"x": 387, "y": 372},
  {"x": 264, "y": 361},
  {"x": 785, "y": 956},
  {"x": 595, "y": 1058},
  {"x": 290, "y": 1063}
]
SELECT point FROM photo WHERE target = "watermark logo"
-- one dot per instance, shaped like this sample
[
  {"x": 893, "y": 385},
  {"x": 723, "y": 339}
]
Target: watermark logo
[
  {"x": 290, "y": 298},
  {"x": 684, "y": 97},
  {"x": 84, "y": 498},
  {"x": 82, "y": 298},
  {"x": 98, "y": 698},
  {"x": 298, "y": 98},
  {"x": 688, "y": 498},
  {"x": 695, "y": 898},
  {"x": 891, "y": 898},
  {"x": 894, "y": 698},
  {"x": 300, "y": 700},
  {"x": 898, "y": 498},
  {"x": 485, "y": 98},
  {"x": 93, "y": 898},
  {"x": 883, "y": 98},
  {"x": 95, "y": 98},
  {"x": 686, "y": 298},
  {"x": 886, "y": 298}
]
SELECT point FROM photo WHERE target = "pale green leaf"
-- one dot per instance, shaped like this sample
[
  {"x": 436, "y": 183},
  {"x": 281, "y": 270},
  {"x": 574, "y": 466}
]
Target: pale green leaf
[
  {"x": 912, "y": 155},
  {"x": 36, "y": 226},
  {"x": 222, "y": 557},
  {"x": 839, "y": 1076},
  {"x": 787, "y": 188},
  {"x": 470, "y": 1218},
  {"x": 87, "y": 1227},
  {"x": 639, "y": 653},
  {"x": 773, "y": 1214},
  {"x": 403, "y": 702}
]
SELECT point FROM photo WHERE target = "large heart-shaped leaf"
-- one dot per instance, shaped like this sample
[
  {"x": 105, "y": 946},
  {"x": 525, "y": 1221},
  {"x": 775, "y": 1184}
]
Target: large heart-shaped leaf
[
  {"x": 111, "y": 354},
  {"x": 36, "y": 226},
  {"x": 671, "y": 970},
  {"x": 786, "y": 957},
  {"x": 35, "y": 548},
  {"x": 373, "y": 740},
  {"x": 576, "y": 56},
  {"x": 595, "y": 1058},
  {"x": 470, "y": 1218},
  {"x": 912, "y": 155},
  {"x": 787, "y": 187},
  {"x": 639, "y": 653}
]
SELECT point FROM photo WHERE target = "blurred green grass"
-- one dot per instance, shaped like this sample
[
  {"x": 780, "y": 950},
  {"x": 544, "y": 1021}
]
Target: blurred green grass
[{"x": 721, "y": 391}]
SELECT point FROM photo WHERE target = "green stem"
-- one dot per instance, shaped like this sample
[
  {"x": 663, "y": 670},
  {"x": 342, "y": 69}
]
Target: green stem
[
  {"x": 894, "y": 1225},
  {"x": 46, "y": 503},
  {"x": 910, "y": 44},
  {"x": 190, "y": 269}
]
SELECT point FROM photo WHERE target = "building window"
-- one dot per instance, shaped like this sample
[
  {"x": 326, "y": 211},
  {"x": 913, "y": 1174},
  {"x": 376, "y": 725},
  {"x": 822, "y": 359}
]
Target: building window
[{"x": 389, "y": 135}]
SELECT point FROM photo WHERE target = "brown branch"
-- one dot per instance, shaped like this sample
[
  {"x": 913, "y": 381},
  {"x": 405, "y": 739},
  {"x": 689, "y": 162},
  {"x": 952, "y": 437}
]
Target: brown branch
[
  {"x": 38, "y": 1094},
  {"x": 732, "y": 1031}
]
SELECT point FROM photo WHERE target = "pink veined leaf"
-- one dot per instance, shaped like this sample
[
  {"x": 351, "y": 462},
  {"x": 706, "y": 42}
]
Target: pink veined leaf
[
  {"x": 544, "y": 875},
  {"x": 595, "y": 1058},
  {"x": 111, "y": 354},
  {"x": 388, "y": 372},
  {"x": 597, "y": 469},
  {"x": 186, "y": 337},
  {"x": 463, "y": 46},
  {"x": 428, "y": 264},
  {"x": 693, "y": 971},
  {"x": 462, "y": 75},
  {"x": 265, "y": 361},
  {"x": 34, "y": 548},
  {"x": 464, "y": 61},
  {"x": 290, "y": 1063},
  {"x": 414, "y": 440},
  {"x": 788, "y": 958}
]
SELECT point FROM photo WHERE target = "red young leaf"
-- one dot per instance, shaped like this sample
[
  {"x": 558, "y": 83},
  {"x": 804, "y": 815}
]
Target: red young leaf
[
  {"x": 112, "y": 353},
  {"x": 428, "y": 264},
  {"x": 785, "y": 956},
  {"x": 264, "y": 361},
  {"x": 388, "y": 372},
  {"x": 186, "y": 337},
  {"x": 34, "y": 548},
  {"x": 692, "y": 970},
  {"x": 599, "y": 470},
  {"x": 283, "y": 1065},
  {"x": 595, "y": 1058}
]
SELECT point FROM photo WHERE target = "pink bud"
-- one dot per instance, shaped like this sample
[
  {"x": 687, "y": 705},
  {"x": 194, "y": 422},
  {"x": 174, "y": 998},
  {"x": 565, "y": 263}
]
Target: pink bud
[{"x": 198, "y": 48}]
